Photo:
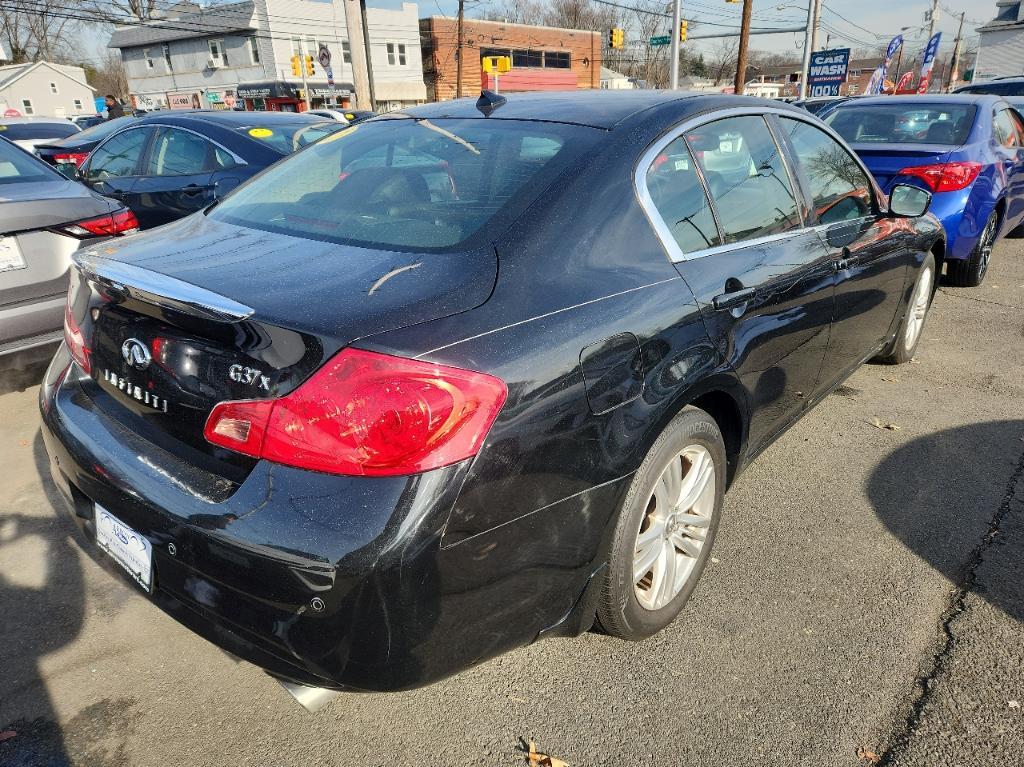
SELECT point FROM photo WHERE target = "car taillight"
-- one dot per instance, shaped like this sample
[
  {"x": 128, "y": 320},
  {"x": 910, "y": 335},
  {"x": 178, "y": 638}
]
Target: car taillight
[
  {"x": 119, "y": 222},
  {"x": 366, "y": 414},
  {"x": 75, "y": 340},
  {"x": 945, "y": 176},
  {"x": 71, "y": 158}
]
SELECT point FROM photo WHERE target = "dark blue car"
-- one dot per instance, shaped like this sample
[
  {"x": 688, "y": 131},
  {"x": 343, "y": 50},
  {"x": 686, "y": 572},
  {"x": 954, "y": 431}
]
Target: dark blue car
[
  {"x": 967, "y": 150},
  {"x": 169, "y": 164}
]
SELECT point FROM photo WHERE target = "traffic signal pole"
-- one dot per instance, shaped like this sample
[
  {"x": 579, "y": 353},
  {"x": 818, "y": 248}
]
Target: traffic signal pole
[{"x": 673, "y": 71}]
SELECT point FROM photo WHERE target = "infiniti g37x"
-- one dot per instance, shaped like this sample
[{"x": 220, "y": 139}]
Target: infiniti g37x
[{"x": 471, "y": 375}]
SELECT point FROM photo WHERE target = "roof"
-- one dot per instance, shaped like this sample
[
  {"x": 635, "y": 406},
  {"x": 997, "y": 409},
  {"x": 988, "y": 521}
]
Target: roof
[
  {"x": 929, "y": 98},
  {"x": 186, "y": 24},
  {"x": 611, "y": 74},
  {"x": 1006, "y": 17},
  {"x": 474, "y": 22},
  {"x": 597, "y": 108},
  {"x": 12, "y": 72}
]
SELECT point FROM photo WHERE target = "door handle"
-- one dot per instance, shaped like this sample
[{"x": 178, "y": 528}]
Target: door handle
[
  {"x": 733, "y": 298},
  {"x": 843, "y": 262}
]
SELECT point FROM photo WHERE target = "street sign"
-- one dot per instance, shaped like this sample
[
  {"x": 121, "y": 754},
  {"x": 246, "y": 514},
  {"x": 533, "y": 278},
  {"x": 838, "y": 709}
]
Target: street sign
[
  {"x": 661, "y": 40},
  {"x": 324, "y": 56}
]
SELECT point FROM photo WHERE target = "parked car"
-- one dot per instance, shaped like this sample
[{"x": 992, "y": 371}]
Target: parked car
[
  {"x": 366, "y": 429},
  {"x": 27, "y": 132},
  {"x": 1001, "y": 86},
  {"x": 167, "y": 165},
  {"x": 330, "y": 114},
  {"x": 967, "y": 150},
  {"x": 44, "y": 218},
  {"x": 823, "y": 105},
  {"x": 88, "y": 121},
  {"x": 68, "y": 154}
]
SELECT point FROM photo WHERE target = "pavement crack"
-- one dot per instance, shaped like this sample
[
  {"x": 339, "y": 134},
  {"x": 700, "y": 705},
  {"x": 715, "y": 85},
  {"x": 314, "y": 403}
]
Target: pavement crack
[
  {"x": 925, "y": 682},
  {"x": 946, "y": 292}
]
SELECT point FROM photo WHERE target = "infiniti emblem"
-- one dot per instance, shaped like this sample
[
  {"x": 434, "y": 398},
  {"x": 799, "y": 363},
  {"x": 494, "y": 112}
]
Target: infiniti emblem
[{"x": 136, "y": 354}]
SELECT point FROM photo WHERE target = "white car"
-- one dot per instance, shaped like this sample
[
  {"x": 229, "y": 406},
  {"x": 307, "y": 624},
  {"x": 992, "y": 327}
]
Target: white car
[
  {"x": 331, "y": 114},
  {"x": 27, "y": 132}
]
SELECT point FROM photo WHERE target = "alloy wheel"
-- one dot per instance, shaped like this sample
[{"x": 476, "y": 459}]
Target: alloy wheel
[
  {"x": 674, "y": 528},
  {"x": 988, "y": 238},
  {"x": 918, "y": 309}
]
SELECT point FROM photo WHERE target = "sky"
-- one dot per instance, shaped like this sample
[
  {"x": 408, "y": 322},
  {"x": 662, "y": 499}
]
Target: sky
[{"x": 854, "y": 23}]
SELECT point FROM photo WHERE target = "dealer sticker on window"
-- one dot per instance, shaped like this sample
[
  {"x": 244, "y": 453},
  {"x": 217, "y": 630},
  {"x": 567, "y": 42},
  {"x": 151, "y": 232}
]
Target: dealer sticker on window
[{"x": 10, "y": 255}]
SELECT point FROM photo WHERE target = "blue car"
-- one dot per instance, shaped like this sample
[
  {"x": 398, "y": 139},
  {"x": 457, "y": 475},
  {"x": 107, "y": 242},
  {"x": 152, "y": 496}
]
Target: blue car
[{"x": 968, "y": 150}]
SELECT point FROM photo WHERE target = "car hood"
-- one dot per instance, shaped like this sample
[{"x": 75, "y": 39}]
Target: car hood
[{"x": 336, "y": 292}]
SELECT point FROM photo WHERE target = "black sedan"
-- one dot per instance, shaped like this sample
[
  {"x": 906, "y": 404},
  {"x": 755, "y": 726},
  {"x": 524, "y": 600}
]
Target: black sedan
[
  {"x": 167, "y": 165},
  {"x": 67, "y": 154},
  {"x": 472, "y": 375}
]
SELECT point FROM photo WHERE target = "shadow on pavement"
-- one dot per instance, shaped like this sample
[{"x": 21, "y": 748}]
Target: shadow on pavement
[
  {"x": 942, "y": 494},
  {"x": 37, "y": 620}
]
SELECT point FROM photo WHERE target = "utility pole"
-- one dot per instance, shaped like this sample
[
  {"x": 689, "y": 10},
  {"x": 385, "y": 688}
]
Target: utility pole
[
  {"x": 805, "y": 67},
  {"x": 816, "y": 24},
  {"x": 458, "y": 51},
  {"x": 360, "y": 61},
  {"x": 741, "y": 56},
  {"x": 954, "y": 68},
  {"x": 933, "y": 18},
  {"x": 673, "y": 70}
]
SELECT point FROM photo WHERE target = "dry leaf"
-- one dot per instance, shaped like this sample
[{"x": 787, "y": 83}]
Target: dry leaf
[
  {"x": 1013, "y": 704},
  {"x": 867, "y": 755},
  {"x": 538, "y": 759},
  {"x": 879, "y": 425},
  {"x": 890, "y": 380},
  {"x": 7, "y": 735}
]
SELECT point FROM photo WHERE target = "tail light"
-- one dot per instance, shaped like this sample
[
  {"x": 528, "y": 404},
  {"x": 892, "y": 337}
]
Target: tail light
[
  {"x": 75, "y": 339},
  {"x": 70, "y": 158},
  {"x": 946, "y": 176},
  {"x": 119, "y": 222},
  {"x": 366, "y": 414}
]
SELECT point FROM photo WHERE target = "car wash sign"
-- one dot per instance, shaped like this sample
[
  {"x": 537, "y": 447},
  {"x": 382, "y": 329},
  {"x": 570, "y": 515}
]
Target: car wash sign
[{"x": 828, "y": 72}]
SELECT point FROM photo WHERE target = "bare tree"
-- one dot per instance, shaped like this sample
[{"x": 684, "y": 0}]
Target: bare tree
[
  {"x": 32, "y": 30},
  {"x": 722, "y": 61},
  {"x": 515, "y": 12},
  {"x": 110, "y": 77},
  {"x": 580, "y": 14},
  {"x": 115, "y": 11}
]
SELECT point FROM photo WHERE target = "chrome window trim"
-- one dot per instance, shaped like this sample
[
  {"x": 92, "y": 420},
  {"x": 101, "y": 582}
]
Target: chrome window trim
[
  {"x": 661, "y": 229},
  {"x": 159, "y": 289}
]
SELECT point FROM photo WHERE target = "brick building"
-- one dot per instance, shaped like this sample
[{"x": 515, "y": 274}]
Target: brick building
[{"x": 543, "y": 58}]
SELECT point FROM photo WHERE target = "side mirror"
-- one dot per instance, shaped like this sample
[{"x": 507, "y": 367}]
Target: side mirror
[{"x": 908, "y": 201}]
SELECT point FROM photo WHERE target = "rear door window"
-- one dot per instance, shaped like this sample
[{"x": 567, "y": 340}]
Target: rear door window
[
  {"x": 180, "y": 153},
  {"x": 746, "y": 176},
  {"x": 840, "y": 190},
  {"x": 410, "y": 184},
  {"x": 679, "y": 197},
  {"x": 119, "y": 155},
  {"x": 1005, "y": 129}
]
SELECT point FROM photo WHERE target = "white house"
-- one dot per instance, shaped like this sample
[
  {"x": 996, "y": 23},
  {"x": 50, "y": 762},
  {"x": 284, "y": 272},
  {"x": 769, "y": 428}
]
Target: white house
[
  {"x": 45, "y": 89},
  {"x": 1001, "y": 44},
  {"x": 242, "y": 54},
  {"x": 612, "y": 80}
]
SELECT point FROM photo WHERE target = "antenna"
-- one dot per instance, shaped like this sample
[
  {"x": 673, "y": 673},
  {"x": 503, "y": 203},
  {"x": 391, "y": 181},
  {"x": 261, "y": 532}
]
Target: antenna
[{"x": 489, "y": 101}]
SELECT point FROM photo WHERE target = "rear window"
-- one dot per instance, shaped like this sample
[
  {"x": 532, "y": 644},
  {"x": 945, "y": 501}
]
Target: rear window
[
  {"x": 17, "y": 166},
  {"x": 101, "y": 130},
  {"x": 34, "y": 131},
  {"x": 410, "y": 184},
  {"x": 898, "y": 123},
  {"x": 288, "y": 137}
]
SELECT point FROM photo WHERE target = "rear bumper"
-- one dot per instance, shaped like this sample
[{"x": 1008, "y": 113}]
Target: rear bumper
[
  {"x": 31, "y": 324},
  {"x": 337, "y": 582}
]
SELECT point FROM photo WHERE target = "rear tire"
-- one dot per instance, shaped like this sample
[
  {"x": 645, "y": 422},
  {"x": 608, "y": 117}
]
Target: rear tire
[
  {"x": 970, "y": 272},
  {"x": 666, "y": 527},
  {"x": 904, "y": 345}
]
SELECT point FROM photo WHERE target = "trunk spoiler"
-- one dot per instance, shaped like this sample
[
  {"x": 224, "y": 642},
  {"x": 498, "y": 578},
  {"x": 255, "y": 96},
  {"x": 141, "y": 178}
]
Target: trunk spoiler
[{"x": 160, "y": 290}]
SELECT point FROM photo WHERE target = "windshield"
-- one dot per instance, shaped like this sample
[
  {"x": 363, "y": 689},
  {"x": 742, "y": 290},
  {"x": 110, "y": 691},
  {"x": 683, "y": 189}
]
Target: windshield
[
  {"x": 287, "y": 137},
  {"x": 30, "y": 131},
  {"x": 409, "y": 184},
  {"x": 103, "y": 129},
  {"x": 17, "y": 166},
  {"x": 948, "y": 124}
]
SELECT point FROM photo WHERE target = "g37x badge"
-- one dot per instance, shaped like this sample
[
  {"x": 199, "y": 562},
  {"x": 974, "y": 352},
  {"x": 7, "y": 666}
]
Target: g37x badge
[{"x": 249, "y": 376}]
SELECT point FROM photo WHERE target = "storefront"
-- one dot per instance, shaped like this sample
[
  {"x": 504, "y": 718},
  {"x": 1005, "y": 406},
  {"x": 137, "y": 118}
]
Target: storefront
[{"x": 281, "y": 96}]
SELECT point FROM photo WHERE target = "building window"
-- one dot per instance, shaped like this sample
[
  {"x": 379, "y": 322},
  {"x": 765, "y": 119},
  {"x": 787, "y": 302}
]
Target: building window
[
  {"x": 254, "y": 50},
  {"x": 26, "y": 106},
  {"x": 217, "y": 53},
  {"x": 855, "y": 73},
  {"x": 149, "y": 59},
  {"x": 167, "y": 57},
  {"x": 488, "y": 52},
  {"x": 346, "y": 52},
  {"x": 53, "y": 88},
  {"x": 527, "y": 58},
  {"x": 78, "y": 105},
  {"x": 557, "y": 59},
  {"x": 396, "y": 54}
]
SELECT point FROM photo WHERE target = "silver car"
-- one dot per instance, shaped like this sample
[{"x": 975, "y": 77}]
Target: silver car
[
  {"x": 26, "y": 132},
  {"x": 44, "y": 218}
]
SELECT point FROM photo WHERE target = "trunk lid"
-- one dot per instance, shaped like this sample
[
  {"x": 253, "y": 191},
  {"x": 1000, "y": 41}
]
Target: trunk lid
[
  {"x": 885, "y": 161},
  {"x": 200, "y": 311}
]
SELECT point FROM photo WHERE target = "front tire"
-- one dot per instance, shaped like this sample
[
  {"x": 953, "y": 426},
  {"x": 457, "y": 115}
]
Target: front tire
[
  {"x": 971, "y": 272},
  {"x": 666, "y": 527},
  {"x": 904, "y": 345}
]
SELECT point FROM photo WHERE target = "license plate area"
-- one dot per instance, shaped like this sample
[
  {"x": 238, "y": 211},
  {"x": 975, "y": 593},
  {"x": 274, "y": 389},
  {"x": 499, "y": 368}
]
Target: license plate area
[
  {"x": 128, "y": 548},
  {"x": 11, "y": 257}
]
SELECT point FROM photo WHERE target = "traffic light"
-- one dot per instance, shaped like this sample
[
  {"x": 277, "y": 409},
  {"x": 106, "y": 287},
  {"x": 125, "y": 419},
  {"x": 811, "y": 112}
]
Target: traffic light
[
  {"x": 616, "y": 38},
  {"x": 295, "y": 66},
  {"x": 310, "y": 69},
  {"x": 682, "y": 31}
]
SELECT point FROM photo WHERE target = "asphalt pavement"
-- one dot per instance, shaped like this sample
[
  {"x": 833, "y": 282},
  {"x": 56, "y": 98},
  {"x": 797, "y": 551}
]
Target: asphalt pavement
[{"x": 865, "y": 604}]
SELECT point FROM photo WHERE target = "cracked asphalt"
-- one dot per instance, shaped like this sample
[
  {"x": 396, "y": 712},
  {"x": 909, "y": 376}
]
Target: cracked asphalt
[{"x": 865, "y": 603}]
